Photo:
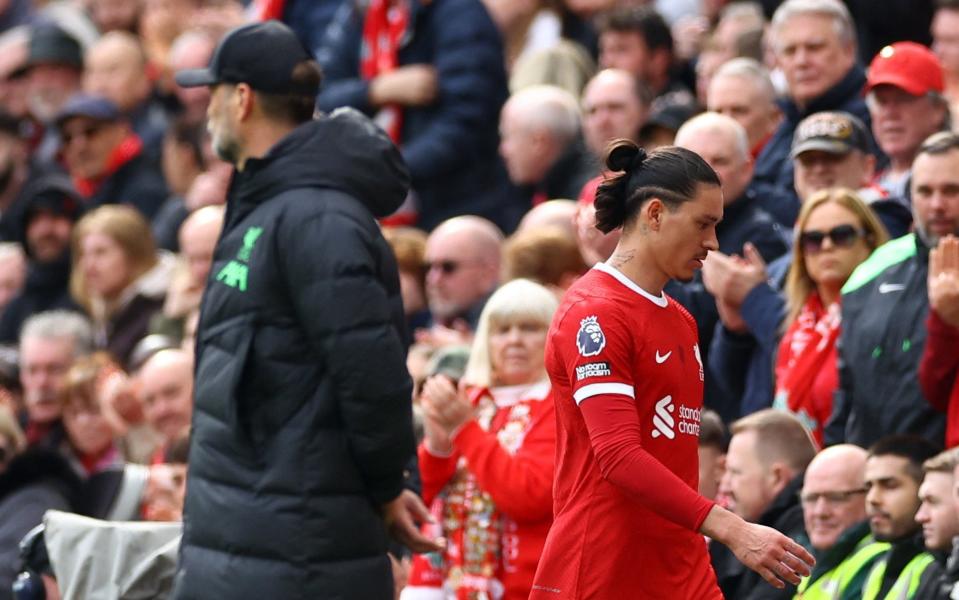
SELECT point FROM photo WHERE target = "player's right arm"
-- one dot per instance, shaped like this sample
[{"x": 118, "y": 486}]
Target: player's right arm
[{"x": 763, "y": 549}]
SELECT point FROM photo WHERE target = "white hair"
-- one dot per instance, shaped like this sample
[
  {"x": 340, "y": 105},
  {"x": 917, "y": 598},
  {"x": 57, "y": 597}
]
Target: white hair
[
  {"x": 59, "y": 325},
  {"x": 748, "y": 12},
  {"x": 833, "y": 9},
  {"x": 751, "y": 70},
  {"x": 548, "y": 107},
  {"x": 715, "y": 122},
  {"x": 517, "y": 299},
  {"x": 11, "y": 250}
]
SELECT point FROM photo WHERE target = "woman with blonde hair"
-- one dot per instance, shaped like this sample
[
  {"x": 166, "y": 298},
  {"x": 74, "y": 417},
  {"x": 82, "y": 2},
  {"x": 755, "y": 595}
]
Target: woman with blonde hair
[
  {"x": 835, "y": 232},
  {"x": 487, "y": 457},
  {"x": 118, "y": 276}
]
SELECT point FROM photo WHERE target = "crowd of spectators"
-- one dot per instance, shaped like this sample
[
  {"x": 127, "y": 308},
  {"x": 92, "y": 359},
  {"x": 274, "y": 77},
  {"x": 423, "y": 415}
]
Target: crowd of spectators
[{"x": 828, "y": 318}]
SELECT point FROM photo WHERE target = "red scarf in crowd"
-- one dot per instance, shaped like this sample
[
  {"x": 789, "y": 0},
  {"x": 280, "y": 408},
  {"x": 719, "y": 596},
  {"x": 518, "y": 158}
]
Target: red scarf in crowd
[
  {"x": 383, "y": 29},
  {"x": 806, "y": 372},
  {"x": 127, "y": 150},
  {"x": 264, "y": 10}
]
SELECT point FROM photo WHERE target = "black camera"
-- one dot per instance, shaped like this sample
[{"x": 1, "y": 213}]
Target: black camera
[{"x": 34, "y": 561}]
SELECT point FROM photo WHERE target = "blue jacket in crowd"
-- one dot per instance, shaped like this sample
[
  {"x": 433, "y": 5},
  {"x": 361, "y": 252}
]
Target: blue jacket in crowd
[
  {"x": 451, "y": 145},
  {"x": 773, "y": 166}
]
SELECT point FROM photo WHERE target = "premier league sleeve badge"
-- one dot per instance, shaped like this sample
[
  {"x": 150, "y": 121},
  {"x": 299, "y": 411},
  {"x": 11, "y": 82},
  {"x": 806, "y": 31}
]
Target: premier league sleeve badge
[{"x": 590, "y": 340}]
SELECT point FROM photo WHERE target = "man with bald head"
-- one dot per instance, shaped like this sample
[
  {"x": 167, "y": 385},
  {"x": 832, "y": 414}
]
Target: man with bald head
[
  {"x": 166, "y": 388},
  {"x": 542, "y": 146},
  {"x": 116, "y": 68},
  {"x": 615, "y": 105},
  {"x": 554, "y": 213},
  {"x": 192, "y": 50},
  {"x": 198, "y": 236},
  {"x": 463, "y": 265},
  {"x": 834, "y": 511},
  {"x": 722, "y": 142}
]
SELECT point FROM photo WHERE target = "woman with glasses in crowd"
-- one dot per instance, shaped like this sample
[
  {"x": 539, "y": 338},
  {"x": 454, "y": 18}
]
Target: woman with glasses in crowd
[
  {"x": 487, "y": 456},
  {"x": 835, "y": 232}
]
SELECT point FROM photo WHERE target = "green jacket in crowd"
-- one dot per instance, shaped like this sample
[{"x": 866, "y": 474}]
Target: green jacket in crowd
[{"x": 841, "y": 570}]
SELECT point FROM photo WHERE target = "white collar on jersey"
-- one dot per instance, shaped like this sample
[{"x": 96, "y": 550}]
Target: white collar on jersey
[{"x": 659, "y": 301}]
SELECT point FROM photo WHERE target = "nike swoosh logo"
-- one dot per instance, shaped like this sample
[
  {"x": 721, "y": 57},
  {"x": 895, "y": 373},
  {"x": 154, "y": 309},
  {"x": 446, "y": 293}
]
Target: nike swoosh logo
[
  {"x": 661, "y": 359},
  {"x": 885, "y": 288}
]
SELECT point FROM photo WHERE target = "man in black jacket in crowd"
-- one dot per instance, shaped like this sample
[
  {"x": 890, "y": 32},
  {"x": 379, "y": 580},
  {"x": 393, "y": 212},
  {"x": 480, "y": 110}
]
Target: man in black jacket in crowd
[
  {"x": 51, "y": 207},
  {"x": 299, "y": 438},
  {"x": 767, "y": 456}
]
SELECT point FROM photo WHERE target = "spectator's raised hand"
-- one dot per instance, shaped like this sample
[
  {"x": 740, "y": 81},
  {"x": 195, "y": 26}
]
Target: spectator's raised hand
[
  {"x": 444, "y": 405},
  {"x": 943, "y": 281},
  {"x": 731, "y": 278}
]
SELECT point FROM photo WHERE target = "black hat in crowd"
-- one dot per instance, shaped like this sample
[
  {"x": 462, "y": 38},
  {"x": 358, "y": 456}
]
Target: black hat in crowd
[
  {"x": 832, "y": 132},
  {"x": 261, "y": 55},
  {"x": 50, "y": 44},
  {"x": 91, "y": 106},
  {"x": 52, "y": 193},
  {"x": 670, "y": 111}
]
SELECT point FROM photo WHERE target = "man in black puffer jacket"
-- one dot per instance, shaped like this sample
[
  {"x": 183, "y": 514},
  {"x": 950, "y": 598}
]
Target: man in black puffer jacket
[{"x": 302, "y": 423}]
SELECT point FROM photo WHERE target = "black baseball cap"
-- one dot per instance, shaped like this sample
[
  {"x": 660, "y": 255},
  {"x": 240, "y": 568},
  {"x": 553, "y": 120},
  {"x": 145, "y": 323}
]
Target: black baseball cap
[
  {"x": 51, "y": 44},
  {"x": 835, "y": 132},
  {"x": 261, "y": 55}
]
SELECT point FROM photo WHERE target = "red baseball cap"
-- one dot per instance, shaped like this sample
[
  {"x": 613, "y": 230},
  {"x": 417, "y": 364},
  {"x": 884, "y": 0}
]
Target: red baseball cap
[{"x": 909, "y": 66}]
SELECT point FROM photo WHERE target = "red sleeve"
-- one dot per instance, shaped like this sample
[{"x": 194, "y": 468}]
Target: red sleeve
[
  {"x": 617, "y": 444},
  {"x": 435, "y": 471},
  {"x": 521, "y": 485},
  {"x": 940, "y": 362}
]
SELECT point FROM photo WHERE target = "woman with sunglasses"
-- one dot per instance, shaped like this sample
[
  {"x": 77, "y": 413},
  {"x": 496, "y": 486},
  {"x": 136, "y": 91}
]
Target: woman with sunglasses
[{"x": 835, "y": 232}]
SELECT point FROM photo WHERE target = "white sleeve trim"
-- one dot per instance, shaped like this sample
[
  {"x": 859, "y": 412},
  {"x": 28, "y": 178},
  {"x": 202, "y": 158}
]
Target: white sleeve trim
[{"x": 595, "y": 389}]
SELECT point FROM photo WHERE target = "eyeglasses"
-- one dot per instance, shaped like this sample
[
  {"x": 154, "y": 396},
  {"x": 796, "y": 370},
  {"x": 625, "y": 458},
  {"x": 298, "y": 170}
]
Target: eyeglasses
[
  {"x": 841, "y": 497},
  {"x": 842, "y": 236},
  {"x": 86, "y": 133}
]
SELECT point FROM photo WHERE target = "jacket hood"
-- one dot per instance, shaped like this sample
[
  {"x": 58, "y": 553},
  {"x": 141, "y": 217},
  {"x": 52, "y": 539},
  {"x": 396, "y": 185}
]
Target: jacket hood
[
  {"x": 52, "y": 192},
  {"x": 344, "y": 150}
]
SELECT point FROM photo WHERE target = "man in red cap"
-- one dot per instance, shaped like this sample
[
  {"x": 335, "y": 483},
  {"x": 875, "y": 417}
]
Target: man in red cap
[{"x": 904, "y": 95}]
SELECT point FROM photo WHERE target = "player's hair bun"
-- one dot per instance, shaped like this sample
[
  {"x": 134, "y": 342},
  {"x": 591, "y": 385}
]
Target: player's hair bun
[{"x": 626, "y": 156}]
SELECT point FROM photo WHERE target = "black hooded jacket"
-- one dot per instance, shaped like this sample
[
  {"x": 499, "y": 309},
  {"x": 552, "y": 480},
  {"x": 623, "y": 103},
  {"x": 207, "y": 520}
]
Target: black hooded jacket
[
  {"x": 47, "y": 286},
  {"x": 302, "y": 423}
]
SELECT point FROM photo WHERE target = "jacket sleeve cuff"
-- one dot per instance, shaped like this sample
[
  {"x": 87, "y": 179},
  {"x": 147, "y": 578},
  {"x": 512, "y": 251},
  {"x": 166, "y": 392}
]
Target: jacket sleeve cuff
[{"x": 938, "y": 326}]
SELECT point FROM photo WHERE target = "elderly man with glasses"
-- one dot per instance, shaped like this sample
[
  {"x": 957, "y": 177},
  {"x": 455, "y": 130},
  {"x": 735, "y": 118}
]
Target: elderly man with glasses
[{"x": 834, "y": 511}]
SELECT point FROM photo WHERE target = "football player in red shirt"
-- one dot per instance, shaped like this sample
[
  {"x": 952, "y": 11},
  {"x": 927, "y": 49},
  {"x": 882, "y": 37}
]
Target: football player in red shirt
[{"x": 627, "y": 380}]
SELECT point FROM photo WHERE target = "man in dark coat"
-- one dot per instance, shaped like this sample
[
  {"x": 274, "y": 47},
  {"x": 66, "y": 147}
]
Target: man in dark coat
[
  {"x": 439, "y": 98},
  {"x": 722, "y": 142},
  {"x": 816, "y": 49},
  {"x": 767, "y": 456},
  {"x": 299, "y": 439},
  {"x": 108, "y": 162},
  {"x": 50, "y": 209}
]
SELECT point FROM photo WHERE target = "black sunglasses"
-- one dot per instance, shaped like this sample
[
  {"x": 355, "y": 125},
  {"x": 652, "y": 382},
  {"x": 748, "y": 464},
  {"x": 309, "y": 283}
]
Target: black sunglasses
[
  {"x": 447, "y": 267},
  {"x": 842, "y": 236}
]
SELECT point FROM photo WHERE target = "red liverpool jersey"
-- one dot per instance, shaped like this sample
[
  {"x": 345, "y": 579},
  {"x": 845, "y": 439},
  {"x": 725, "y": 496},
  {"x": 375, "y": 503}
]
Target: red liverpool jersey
[{"x": 628, "y": 386}]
